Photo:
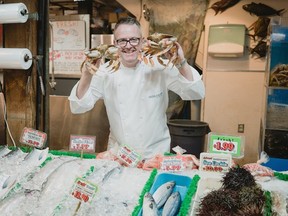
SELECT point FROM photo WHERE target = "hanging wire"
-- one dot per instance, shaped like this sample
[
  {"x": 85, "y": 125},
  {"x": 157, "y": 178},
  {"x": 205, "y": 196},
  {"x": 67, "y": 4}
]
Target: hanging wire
[{"x": 5, "y": 119}]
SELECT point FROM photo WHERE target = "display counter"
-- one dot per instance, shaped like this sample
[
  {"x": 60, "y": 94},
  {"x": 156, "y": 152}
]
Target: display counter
[{"x": 43, "y": 182}]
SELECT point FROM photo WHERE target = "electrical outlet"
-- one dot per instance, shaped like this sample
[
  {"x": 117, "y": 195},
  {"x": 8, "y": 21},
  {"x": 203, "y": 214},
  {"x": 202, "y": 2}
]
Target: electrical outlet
[{"x": 240, "y": 128}]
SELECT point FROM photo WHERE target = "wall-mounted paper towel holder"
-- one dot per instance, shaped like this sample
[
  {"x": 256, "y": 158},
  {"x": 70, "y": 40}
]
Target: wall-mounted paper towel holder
[{"x": 226, "y": 40}]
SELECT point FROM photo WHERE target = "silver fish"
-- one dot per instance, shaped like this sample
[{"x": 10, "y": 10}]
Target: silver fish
[
  {"x": 149, "y": 206},
  {"x": 67, "y": 173},
  {"x": 18, "y": 203},
  {"x": 4, "y": 150},
  {"x": 163, "y": 192},
  {"x": 172, "y": 205},
  {"x": 36, "y": 156},
  {"x": 15, "y": 154},
  {"x": 41, "y": 177},
  {"x": 6, "y": 184},
  {"x": 112, "y": 172}
]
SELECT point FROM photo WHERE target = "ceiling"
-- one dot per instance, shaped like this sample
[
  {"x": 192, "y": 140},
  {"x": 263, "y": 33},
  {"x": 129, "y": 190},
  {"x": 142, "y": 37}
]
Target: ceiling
[{"x": 73, "y": 5}]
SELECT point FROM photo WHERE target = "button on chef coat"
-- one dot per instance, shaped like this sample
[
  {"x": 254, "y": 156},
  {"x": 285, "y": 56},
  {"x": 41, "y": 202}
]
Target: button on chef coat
[{"x": 136, "y": 100}]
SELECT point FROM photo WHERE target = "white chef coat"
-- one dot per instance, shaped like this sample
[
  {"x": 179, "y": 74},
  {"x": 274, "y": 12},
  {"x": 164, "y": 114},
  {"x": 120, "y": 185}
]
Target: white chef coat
[{"x": 136, "y": 101}]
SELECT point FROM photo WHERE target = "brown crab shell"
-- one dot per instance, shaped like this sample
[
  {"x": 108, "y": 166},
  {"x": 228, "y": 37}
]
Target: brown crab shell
[{"x": 157, "y": 37}]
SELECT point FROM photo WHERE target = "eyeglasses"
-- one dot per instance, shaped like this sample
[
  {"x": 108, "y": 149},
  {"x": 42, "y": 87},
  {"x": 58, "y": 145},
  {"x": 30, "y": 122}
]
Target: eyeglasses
[{"x": 132, "y": 41}]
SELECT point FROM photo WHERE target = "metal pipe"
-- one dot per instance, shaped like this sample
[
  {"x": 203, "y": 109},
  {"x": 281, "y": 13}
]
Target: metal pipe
[{"x": 42, "y": 50}]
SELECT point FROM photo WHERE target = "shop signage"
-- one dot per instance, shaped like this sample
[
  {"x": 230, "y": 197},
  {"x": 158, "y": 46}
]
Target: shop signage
[
  {"x": 128, "y": 155},
  {"x": 82, "y": 143},
  {"x": 227, "y": 144},
  {"x": 33, "y": 138},
  {"x": 172, "y": 163},
  {"x": 215, "y": 162},
  {"x": 84, "y": 190}
]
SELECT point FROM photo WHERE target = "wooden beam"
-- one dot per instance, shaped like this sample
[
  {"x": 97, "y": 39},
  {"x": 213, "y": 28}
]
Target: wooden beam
[{"x": 20, "y": 95}]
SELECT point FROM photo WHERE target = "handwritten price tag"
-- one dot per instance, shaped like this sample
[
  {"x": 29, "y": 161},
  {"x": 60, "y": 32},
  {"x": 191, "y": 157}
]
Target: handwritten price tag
[
  {"x": 82, "y": 143},
  {"x": 172, "y": 164},
  {"x": 129, "y": 156},
  {"x": 84, "y": 190},
  {"x": 33, "y": 137},
  {"x": 226, "y": 144}
]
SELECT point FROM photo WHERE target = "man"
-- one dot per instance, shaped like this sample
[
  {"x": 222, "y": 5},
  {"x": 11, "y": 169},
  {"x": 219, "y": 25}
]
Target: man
[{"x": 136, "y": 95}]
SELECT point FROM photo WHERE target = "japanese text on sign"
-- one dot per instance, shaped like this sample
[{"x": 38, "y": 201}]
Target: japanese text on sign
[
  {"x": 214, "y": 162},
  {"x": 84, "y": 190},
  {"x": 128, "y": 155},
  {"x": 82, "y": 143},
  {"x": 33, "y": 137},
  {"x": 172, "y": 164}
]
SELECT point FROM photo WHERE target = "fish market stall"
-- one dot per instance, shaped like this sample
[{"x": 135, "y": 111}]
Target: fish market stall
[{"x": 43, "y": 182}]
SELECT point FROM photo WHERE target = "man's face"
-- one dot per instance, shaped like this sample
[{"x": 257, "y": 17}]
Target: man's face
[{"x": 128, "y": 39}]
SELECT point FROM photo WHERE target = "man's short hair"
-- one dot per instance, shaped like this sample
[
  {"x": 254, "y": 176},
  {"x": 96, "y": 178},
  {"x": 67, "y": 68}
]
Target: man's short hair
[{"x": 127, "y": 20}]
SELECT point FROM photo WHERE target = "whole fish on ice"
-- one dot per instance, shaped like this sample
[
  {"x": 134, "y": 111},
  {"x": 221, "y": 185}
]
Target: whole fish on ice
[
  {"x": 40, "y": 177},
  {"x": 36, "y": 156},
  {"x": 98, "y": 175},
  {"x": 149, "y": 206},
  {"x": 19, "y": 203},
  {"x": 163, "y": 192},
  {"x": 6, "y": 184},
  {"x": 113, "y": 189},
  {"x": 172, "y": 205},
  {"x": 4, "y": 150},
  {"x": 15, "y": 156},
  {"x": 54, "y": 191}
]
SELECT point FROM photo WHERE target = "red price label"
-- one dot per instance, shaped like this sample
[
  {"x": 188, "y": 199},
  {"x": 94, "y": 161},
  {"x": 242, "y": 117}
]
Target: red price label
[
  {"x": 228, "y": 144},
  {"x": 33, "y": 137},
  {"x": 79, "y": 195},
  {"x": 82, "y": 143},
  {"x": 213, "y": 168},
  {"x": 215, "y": 162},
  {"x": 83, "y": 190},
  {"x": 128, "y": 155},
  {"x": 225, "y": 146},
  {"x": 172, "y": 164}
]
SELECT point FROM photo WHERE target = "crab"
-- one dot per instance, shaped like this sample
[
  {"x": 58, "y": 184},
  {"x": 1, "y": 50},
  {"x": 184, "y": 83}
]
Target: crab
[
  {"x": 159, "y": 44},
  {"x": 279, "y": 76},
  {"x": 112, "y": 55},
  {"x": 102, "y": 51}
]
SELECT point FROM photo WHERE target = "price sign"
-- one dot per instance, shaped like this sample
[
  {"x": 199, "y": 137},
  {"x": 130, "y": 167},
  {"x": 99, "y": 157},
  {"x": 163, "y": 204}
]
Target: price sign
[
  {"x": 129, "y": 156},
  {"x": 83, "y": 190},
  {"x": 82, "y": 143},
  {"x": 33, "y": 137},
  {"x": 226, "y": 144},
  {"x": 172, "y": 163},
  {"x": 213, "y": 162}
]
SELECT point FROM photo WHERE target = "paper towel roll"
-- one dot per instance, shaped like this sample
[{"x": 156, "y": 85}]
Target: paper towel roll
[
  {"x": 14, "y": 58},
  {"x": 13, "y": 13}
]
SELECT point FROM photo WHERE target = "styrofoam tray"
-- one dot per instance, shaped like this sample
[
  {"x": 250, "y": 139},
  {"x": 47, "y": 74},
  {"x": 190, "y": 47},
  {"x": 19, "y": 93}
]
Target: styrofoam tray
[
  {"x": 182, "y": 184},
  {"x": 205, "y": 185}
]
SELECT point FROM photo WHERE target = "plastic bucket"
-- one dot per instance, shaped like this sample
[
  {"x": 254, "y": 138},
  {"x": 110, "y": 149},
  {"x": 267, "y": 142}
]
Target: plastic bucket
[{"x": 188, "y": 134}]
